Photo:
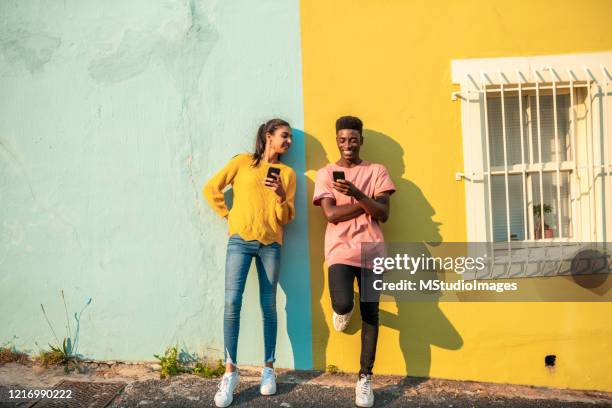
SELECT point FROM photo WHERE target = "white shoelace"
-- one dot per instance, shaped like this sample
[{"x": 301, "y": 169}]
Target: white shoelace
[
  {"x": 268, "y": 374},
  {"x": 365, "y": 386},
  {"x": 223, "y": 384}
]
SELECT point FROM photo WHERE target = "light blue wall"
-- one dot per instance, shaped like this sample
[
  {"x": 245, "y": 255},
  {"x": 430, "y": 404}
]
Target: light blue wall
[{"x": 112, "y": 117}]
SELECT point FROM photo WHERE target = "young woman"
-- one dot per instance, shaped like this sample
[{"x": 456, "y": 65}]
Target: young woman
[{"x": 263, "y": 202}]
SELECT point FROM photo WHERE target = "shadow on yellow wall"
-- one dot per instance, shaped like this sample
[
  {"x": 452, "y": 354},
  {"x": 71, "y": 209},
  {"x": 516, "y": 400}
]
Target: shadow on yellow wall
[{"x": 419, "y": 325}]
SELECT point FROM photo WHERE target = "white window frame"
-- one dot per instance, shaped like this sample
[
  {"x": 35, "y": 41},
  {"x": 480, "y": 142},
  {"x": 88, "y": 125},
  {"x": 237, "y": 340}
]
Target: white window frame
[{"x": 592, "y": 70}]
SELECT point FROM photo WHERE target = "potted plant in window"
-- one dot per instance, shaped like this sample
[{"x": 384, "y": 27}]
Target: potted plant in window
[{"x": 537, "y": 219}]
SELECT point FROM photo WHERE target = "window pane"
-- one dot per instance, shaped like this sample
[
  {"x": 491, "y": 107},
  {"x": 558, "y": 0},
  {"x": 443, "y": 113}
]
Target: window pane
[
  {"x": 513, "y": 130},
  {"x": 498, "y": 195},
  {"x": 547, "y": 129},
  {"x": 551, "y": 206}
]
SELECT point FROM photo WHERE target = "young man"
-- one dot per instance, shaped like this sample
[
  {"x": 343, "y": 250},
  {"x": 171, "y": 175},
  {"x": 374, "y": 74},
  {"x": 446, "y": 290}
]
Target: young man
[{"x": 353, "y": 205}]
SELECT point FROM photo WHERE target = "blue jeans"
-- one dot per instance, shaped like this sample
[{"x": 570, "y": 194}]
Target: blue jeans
[{"x": 237, "y": 263}]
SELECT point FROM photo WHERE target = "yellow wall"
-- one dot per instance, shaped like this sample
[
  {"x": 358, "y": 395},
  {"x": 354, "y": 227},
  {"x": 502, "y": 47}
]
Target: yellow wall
[{"x": 388, "y": 62}]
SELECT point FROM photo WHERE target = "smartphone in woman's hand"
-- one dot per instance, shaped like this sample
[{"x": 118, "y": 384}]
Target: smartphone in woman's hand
[
  {"x": 273, "y": 171},
  {"x": 339, "y": 175}
]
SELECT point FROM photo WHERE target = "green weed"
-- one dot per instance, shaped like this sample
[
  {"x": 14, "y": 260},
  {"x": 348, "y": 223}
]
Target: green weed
[
  {"x": 174, "y": 363},
  {"x": 64, "y": 352},
  {"x": 332, "y": 369}
]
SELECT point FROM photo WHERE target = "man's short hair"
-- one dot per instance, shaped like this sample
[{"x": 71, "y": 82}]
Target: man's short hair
[{"x": 349, "y": 122}]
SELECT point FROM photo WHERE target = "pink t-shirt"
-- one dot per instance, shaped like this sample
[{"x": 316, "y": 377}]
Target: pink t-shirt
[{"x": 343, "y": 240}]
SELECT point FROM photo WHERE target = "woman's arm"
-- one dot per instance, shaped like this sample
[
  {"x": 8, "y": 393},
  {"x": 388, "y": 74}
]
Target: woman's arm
[
  {"x": 213, "y": 190},
  {"x": 338, "y": 213}
]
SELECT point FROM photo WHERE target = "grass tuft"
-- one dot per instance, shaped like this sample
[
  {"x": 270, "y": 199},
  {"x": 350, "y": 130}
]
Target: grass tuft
[
  {"x": 11, "y": 355},
  {"x": 173, "y": 364}
]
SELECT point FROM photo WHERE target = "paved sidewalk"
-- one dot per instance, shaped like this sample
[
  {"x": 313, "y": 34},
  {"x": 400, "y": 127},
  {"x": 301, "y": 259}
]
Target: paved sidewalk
[
  {"x": 299, "y": 389},
  {"x": 190, "y": 392}
]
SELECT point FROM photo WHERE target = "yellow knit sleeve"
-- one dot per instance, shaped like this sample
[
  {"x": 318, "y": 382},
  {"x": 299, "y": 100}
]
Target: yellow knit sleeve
[
  {"x": 213, "y": 190},
  {"x": 285, "y": 211}
]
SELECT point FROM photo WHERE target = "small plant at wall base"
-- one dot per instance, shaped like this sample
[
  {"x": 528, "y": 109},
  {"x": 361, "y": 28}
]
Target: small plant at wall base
[
  {"x": 64, "y": 352},
  {"x": 208, "y": 370},
  {"x": 172, "y": 364},
  {"x": 58, "y": 356},
  {"x": 11, "y": 355},
  {"x": 537, "y": 218},
  {"x": 169, "y": 362},
  {"x": 332, "y": 369}
]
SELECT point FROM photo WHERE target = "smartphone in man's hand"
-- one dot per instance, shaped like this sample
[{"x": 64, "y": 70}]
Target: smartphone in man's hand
[{"x": 339, "y": 175}]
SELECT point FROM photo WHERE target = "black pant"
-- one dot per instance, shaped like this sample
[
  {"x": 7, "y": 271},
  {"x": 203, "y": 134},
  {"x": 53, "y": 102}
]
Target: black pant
[{"x": 341, "y": 278}]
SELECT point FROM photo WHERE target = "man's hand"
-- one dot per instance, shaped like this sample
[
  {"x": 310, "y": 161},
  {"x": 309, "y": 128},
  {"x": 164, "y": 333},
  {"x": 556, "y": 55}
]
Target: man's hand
[
  {"x": 347, "y": 188},
  {"x": 274, "y": 184}
]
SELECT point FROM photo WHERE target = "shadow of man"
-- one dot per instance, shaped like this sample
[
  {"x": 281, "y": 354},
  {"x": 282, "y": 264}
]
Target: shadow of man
[{"x": 421, "y": 325}]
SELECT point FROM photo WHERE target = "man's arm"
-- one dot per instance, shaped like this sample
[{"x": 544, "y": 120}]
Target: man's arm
[
  {"x": 377, "y": 207},
  {"x": 338, "y": 213}
]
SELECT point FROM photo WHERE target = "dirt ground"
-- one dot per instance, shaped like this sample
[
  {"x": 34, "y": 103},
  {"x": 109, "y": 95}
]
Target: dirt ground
[{"x": 296, "y": 389}]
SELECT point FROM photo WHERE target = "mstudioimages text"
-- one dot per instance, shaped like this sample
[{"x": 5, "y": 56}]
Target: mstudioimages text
[{"x": 439, "y": 285}]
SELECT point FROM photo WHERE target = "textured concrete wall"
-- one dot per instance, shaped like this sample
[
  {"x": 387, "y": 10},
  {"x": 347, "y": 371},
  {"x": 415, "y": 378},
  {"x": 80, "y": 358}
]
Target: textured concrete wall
[{"x": 113, "y": 115}]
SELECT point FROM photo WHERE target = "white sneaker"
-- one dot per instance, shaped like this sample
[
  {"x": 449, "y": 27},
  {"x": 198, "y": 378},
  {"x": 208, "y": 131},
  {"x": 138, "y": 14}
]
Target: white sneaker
[
  {"x": 364, "y": 396},
  {"x": 268, "y": 382},
  {"x": 225, "y": 394},
  {"x": 341, "y": 321}
]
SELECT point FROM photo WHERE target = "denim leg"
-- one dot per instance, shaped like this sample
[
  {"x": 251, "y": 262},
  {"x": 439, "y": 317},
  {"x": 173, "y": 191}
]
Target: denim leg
[
  {"x": 237, "y": 263},
  {"x": 268, "y": 269}
]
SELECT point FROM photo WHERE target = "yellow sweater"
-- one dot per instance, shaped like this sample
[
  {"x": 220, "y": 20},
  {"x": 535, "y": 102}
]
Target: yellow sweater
[{"x": 256, "y": 213}]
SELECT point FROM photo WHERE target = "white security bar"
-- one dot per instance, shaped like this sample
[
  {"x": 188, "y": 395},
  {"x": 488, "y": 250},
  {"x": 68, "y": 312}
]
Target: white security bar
[
  {"x": 523, "y": 172},
  {"x": 489, "y": 184},
  {"x": 539, "y": 116},
  {"x": 558, "y": 152}
]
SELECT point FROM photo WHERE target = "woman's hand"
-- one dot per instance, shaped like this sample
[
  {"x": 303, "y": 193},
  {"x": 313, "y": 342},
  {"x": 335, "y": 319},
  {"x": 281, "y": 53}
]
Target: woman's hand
[
  {"x": 347, "y": 188},
  {"x": 274, "y": 184}
]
